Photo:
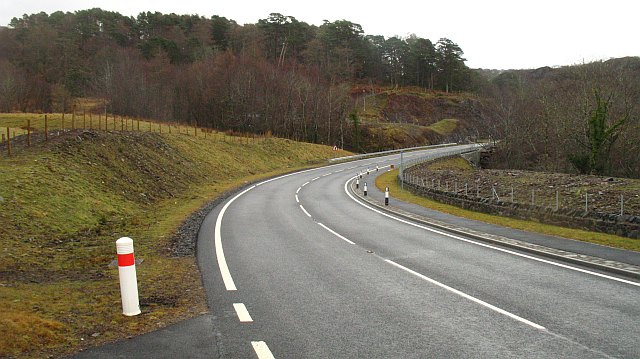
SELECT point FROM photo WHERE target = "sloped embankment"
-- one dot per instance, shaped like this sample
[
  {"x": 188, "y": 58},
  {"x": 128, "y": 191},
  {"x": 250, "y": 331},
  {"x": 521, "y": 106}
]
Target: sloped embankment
[
  {"x": 407, "y": 117},
  {"x": 63, "y": 205}
]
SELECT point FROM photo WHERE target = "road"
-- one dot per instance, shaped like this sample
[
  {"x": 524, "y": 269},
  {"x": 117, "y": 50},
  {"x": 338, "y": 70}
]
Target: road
[{"x": 296, "y": 268}]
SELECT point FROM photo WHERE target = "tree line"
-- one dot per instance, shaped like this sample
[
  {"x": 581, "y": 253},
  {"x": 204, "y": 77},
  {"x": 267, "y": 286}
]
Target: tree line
[
  {"x": 279, "y": 74},
  {"x": 573, "y": 119}
]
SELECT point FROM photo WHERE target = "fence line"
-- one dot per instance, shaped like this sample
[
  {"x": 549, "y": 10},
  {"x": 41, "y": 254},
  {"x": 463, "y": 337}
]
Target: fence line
[
  {"x": 537, "y": 198},
  {"x": 55, "y": 125}
]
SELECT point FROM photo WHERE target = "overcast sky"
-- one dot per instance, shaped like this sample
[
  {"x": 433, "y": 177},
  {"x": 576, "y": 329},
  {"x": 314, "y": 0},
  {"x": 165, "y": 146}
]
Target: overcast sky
[{"x": 494, "y": 34}]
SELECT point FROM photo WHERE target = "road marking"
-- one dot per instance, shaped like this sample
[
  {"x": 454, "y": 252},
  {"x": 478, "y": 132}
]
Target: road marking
[
  {"x": 334, "y": 233},
  {"x": 327, "y": 174},
  {"x": 488, "y": 245},
  {"x": 297, "y": 200},
  {"x": 315, "y": 179},
  {"x": 222, "y": 262},
  {"x": 298, "y": 190},
  {"x": 305, "y": 211},
  {"x": 242, "y": 312},
  {"x": 467, "y": 296},
  {"x": 304, "y": 184},
  {"x": 262, "y": 350}
]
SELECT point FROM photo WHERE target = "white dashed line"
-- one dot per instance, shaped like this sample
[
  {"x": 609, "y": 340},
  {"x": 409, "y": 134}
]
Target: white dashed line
[
  {"x": 298, "y": 190},
  {"x": 315, "y": 179},
  {"x": 262, "y": 350},
  {"x": 334, "y": 233},
  {"x": 243, "y": 313},
  {"x": 297, "y": 200},
  {"x": 305, "y": 211},
  {"x": 304, "y": 184},
  {"x": 467, "y": 296}
]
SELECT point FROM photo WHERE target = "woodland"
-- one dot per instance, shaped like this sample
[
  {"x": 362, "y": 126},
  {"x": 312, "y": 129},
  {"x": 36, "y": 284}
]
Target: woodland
[{"x": 308, "y": 83}]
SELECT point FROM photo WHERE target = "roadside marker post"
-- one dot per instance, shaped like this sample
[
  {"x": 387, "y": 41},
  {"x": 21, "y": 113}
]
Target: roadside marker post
[
  {"x": 128, "y": 279},
  {"x": 365, "y": 189},
  {"x": 386, "y": 196},
  {"x": 357, "y": 183}
]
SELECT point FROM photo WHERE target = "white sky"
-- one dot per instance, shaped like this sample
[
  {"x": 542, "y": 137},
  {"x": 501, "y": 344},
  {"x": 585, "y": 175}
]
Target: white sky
[{"x": 496, "y": 34}]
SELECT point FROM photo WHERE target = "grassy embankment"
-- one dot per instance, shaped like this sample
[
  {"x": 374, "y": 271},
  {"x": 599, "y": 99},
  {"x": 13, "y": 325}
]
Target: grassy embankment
[
  {"x": 389, "y": 179},
  {"x": 64, "y": 203},
  {"x": 405, "y": 117}
]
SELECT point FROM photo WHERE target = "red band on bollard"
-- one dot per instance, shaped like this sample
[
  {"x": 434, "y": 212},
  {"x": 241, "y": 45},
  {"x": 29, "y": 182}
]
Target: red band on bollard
[{"x": 125, "y": 260}]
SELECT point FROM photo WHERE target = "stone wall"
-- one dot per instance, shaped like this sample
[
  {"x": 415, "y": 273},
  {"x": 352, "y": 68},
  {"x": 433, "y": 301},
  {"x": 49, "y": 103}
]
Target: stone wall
[{"x": 626, "y": 226}]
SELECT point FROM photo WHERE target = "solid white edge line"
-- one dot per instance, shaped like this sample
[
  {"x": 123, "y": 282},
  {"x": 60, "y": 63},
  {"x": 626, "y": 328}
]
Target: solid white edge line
[
  {"x": 305, "y": 211},
  {"x": 565, "y": 266},
  {"x": 334, "y": 233},
  {"x": 262, "y": 350},
  {"x": 297, "y": 200},
  {"x": 242, "y": 312},
  {"x": 467, "y": 296},
  {"x": 222, "y": 262}
]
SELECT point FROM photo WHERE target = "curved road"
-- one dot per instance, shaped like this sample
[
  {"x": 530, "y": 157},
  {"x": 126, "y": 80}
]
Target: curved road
[{"x": 300, "y": 269}]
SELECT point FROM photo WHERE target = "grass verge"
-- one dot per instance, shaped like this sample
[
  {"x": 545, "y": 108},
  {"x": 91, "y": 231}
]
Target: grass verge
[
  {"x": 64, "y": 203},
  {"x": 389, "y": 179}
]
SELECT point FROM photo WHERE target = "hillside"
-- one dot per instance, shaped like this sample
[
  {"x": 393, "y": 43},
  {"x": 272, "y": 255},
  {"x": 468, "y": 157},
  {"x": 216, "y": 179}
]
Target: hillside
[
  {"x": 405, "y": 117},
  {"x": 65, "y": 202}
]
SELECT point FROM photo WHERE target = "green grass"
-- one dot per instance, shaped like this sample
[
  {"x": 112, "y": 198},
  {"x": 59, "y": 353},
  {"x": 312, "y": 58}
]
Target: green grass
[
  {"x": 64, "y": 203},
  {"x": 454, "y": 163},
  {"x": 444, "y": 127},
  {"x": 389, "y": 179}
]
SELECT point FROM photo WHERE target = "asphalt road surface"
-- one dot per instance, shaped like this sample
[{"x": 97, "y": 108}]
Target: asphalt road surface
[{"x": 296, "y": 267}]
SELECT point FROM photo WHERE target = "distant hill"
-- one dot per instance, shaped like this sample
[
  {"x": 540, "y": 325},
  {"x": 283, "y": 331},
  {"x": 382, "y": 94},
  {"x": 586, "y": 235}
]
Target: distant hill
[{"x": 405, "y": 117}]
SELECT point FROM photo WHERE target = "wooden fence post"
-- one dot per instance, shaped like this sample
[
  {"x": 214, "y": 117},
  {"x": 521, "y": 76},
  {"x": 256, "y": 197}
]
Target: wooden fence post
[{"x": 8, "y": 142}]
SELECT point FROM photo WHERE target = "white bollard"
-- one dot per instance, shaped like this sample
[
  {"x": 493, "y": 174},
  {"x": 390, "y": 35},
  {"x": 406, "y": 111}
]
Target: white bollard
[
  {"x": 357, "y": 183},
  {"x": 128, "y": 279},
  {"x": 386, "y": 196},
  {"x": 365, "y": 189},
  {"x": 377, "y": 168}
]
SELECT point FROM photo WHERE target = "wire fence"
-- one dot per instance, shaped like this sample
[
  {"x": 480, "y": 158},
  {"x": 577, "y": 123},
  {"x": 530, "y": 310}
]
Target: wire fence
[
  {"x": 24, "y": 130},
  {"x": 571, "y": 200}
]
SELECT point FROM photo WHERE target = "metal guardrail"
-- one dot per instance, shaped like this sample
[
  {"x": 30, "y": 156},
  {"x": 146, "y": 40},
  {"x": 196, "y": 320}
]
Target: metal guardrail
[
  {"x": 432, "y": 156},
  {"x": 382, "y": 153}
]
